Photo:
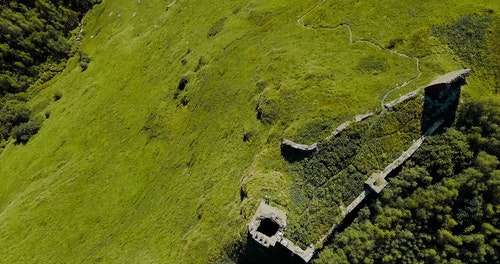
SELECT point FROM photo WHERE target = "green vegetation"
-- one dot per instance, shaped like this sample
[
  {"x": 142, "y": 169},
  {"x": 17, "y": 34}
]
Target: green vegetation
[
  {"x": 347, "y": 160},
  {"x": 217, "y": 27},
  {"x": 35, "y": 40},
  {"x": 472, "y": 37},
  {"x": 15, "y": 119},
  {"x": 23, "y": 132},
  {"x": 161, "y": 148},
  {"x": 34, "y": 46},
  {"x": 443, "y": 207},
  {"x": 372, "y": 65},
  {"x": 467, "y": 37}
]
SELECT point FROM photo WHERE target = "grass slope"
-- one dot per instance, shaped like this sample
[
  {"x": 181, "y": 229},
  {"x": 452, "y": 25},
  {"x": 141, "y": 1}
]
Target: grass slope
[{"x": 130, "y": 169}]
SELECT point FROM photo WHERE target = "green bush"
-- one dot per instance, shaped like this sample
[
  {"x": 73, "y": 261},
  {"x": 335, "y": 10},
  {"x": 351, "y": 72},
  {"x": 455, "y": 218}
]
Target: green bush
[
  {"x": 217, "y": 27},
  {"x": 23, "y": 132},
  {"x": 84, "y": 60},
  {"x": 57, "y": 96},
  {"x": 84, "y": 66},
  {"x": 12, "y": 113}
]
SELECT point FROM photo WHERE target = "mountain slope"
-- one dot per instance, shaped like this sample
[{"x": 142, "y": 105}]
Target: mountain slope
[{"x": 142, "y": 157}]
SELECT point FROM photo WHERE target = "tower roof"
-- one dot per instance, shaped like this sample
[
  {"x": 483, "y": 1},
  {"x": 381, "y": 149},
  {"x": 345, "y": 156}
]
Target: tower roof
[{"x": 450, "y": 77}]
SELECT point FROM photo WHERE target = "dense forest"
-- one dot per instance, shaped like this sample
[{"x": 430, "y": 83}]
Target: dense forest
[{"x": 35, "y": 42}]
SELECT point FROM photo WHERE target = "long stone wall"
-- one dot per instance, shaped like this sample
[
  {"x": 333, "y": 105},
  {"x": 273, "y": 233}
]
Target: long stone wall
[
  {"x": 392, "y": 105},
  {"x": 346, "y": 124},
  {"x": 285, "y": 143},
  {"x": 377, "y": 182}
]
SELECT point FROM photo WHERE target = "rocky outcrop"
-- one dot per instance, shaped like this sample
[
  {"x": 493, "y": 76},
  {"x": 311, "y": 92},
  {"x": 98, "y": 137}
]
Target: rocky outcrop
[
  {"x": 170, "y": 5},
  {"x": 339, "y": 129},
  {"x": 454, "y": 78}
]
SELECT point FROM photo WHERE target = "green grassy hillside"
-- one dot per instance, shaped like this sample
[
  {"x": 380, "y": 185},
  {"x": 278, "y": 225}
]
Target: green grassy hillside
[{"x": 132, "y": 167}]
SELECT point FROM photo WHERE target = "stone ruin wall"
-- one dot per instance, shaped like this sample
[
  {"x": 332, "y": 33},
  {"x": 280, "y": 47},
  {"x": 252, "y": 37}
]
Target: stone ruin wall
[{"x": 441, "y": 97}]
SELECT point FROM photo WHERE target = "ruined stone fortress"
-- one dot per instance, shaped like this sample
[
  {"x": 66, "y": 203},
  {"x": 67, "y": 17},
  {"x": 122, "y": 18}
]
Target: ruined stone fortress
[{"x": 266, "y": 230}]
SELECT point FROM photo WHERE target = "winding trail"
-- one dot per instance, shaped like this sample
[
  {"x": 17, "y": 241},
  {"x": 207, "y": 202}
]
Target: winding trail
[
  {"x": 366, "y": 41},
  {"x": 405, "y": 155}
]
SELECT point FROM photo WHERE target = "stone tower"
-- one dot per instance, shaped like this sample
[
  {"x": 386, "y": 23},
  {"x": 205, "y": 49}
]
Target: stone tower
[{"x": 441, "y": 98}]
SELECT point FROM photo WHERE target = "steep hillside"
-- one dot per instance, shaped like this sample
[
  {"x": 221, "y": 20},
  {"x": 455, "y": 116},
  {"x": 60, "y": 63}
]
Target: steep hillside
[{"x": 142, "y": 157}]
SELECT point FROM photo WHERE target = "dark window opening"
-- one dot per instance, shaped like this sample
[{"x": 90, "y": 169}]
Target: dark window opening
[{"x": 268, "y": 227}]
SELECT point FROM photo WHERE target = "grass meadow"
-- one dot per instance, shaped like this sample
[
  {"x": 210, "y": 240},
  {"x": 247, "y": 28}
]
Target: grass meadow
[{"x": 133, "y": 168}]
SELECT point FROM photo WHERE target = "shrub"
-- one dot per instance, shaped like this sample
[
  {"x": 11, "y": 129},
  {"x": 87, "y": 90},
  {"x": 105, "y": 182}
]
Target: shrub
[
  {"x": 35, "y": 36},
  {"x": 84, "y": 66},
  {"x": 84, "y": 60},
  {"x": 184, "y": 100},
  {"x": 12, "y": 113},
  {"x": 247, "y": 135},
  {"x": 217, "y": 27},
  {"x": 23, "y": 132},
  {"x": 57, "y": 96},
  {"x": 182, "y": 83}
]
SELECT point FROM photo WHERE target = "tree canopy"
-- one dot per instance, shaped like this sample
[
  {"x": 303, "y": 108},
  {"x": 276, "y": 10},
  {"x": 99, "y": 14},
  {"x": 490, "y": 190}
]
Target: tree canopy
[
  {"x": 35, "y": 42},
  {"x": 35, "y": 38}
]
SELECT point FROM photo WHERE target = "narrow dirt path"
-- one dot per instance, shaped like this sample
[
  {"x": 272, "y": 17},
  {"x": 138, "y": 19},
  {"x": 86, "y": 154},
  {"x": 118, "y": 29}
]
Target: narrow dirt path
[
  {"x": 328, "y": 234},
  {"x": 366, "y": 41}
]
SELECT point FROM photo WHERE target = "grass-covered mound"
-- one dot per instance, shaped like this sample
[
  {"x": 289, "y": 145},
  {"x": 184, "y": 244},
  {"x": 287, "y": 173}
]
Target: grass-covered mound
[{"x": 183, "y": 103}]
